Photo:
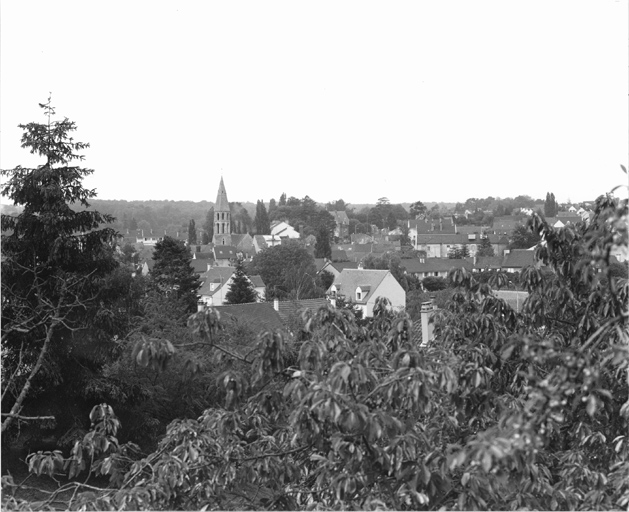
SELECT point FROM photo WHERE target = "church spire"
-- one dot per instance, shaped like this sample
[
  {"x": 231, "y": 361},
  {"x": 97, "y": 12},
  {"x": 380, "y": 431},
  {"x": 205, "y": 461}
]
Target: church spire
[{"x": 222, "y": 213}]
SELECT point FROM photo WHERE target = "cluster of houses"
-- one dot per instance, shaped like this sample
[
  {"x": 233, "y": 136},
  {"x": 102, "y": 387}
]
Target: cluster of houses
[{"x": 215, "y": 262}]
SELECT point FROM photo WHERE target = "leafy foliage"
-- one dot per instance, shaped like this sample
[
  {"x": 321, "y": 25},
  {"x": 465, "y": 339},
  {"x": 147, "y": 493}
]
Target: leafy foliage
[{"x": 485, "y": 248}]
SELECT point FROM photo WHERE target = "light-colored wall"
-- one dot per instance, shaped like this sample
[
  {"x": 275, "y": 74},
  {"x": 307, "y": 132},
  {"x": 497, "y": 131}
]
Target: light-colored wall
[{"x": 391, "y": 289}]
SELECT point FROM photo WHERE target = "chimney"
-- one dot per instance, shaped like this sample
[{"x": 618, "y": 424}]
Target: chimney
[
  {"x": 276, "y": 304},
  {"x": 426, "y": 313},
  {"x": 200, "y": 305}
]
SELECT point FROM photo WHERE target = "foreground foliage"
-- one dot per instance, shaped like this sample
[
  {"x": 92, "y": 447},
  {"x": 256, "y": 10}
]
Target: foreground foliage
[{"x": 502, "y": 411}]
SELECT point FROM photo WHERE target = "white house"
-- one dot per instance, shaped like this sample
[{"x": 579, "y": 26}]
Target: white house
[
  {"x": 217, "y": 282},
  {"x": 363, "y": 287},
  {"x": 284, "y": 230}
]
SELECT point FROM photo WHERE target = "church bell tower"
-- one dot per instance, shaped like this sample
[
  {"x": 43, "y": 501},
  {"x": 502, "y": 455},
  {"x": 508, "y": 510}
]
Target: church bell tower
[{"x": 222, "y": 214}]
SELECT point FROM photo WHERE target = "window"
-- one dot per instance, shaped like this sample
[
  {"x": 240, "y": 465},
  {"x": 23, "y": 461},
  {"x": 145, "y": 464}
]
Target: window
[{"x": 359, "y": 294}]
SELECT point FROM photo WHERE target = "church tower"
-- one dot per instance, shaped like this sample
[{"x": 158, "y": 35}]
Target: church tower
[{"x": 222, "y": 216}]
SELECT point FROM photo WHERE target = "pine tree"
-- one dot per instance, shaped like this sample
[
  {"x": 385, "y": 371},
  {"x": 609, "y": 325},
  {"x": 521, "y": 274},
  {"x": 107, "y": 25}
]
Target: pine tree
[
  {"x": 54, "y": 256},
  {"x": 550, "y": 205},
  {"x": 192, "y": 233},
  {"x": 173, "y": 272},
  {"x": 241, "y": 290}
]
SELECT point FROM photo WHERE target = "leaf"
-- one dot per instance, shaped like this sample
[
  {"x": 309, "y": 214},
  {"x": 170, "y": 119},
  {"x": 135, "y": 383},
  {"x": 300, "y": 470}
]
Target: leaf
[{"x": 591, "y": 405}]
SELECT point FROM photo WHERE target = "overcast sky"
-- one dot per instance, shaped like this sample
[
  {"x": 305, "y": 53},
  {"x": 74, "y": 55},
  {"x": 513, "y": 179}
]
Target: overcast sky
[{"x": 422, "y": 100}]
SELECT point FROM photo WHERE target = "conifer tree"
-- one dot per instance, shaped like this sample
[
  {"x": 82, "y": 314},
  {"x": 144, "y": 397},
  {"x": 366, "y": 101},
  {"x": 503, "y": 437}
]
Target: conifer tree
[
  {"x": 192, "y": 233},
  {"x": 485, "y": 248},
  {"x": 261, "y": 221},
  {"x": 242, "y": 290}
]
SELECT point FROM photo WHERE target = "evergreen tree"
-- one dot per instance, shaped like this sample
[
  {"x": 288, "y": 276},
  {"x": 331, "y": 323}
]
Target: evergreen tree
[
  {"x": 192, "y": 233},
  {"x": 242, "y": 290},
  {"x": 550, "y": 205},
  {"x": 485, "y": 248},
  {"x": 283, "y": 199},
  {"x": 54, "y": 256},
  {"x": 173, "y": 272},
  {"x": 272, "y": 207},
  {"x": 205, "y": 238},
  {"x": 208, "y": 226},
  {"x": 261, "y": 221},
  {"x": 322, "y": 246}
]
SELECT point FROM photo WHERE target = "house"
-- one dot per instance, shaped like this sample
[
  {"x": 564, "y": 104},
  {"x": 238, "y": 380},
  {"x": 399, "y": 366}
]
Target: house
[
  {"x": 435, "y": 267},
  {"x": 224, "y": 255},
  {"x": 200, "y": 265},
  {"x": 258, "y": 316},
  {"x": 506, "y": 224},
  {"x": 363, "y": 287},
  {"x": 217, "y": 282},
  {"x": 518, "y": 259},
  {"x": 289, "y": 309},
  {"x": 283, "y": 229},
  {"x": 336, "y": 267},
  {"x": 342, "y": 224}
]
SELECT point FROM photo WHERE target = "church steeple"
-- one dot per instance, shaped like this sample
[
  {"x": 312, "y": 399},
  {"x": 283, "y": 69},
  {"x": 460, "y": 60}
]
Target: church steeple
[{"x": 222, "y": 213}]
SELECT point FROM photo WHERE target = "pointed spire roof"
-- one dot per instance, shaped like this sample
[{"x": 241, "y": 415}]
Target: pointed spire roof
[{"x": 222, "y": 204}]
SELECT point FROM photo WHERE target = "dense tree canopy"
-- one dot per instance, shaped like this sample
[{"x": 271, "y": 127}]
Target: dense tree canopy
[{"x": 173, "y": 273}]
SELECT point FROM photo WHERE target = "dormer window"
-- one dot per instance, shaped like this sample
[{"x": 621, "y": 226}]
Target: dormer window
[{"x": 359, "y": 294}]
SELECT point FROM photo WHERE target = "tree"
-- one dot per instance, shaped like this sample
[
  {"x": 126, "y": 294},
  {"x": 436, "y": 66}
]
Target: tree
[
  {"x": 242, "y": 290},
  {"x": 501, "y": 411},
  {"x": 550, "y": 205},
  {"x": 192, "y": 233},
  {"x": 523, "y": 238},
  {"x": 459, "y": 252},
  {"x": 261, "y": 220},
  {"x": 173, "y": 273},
  {"x": 133, "y": 224},
  {"x": 282, "y": 199},
  {"x": 288, "y": 270},
  {"x": 53, "y": 255},
  {"x": 485, "y": 248},
  {"x": 322, "y": 246},
  {"x": 418, "y": 209},
  {"x": 208, "y": 226}
]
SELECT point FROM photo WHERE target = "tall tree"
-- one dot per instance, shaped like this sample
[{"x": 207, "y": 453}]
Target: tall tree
[
  {"x": 192, "y": 233},
  {"x": 282, "y": 199},
  {"x": 261, "y": 220},
  {"x": 242, "y": 290},
  {"x": 550, "y": 205},
  {"x": 208, "y": 225},
  {"x": 173, "y": 273},
  {"x": 322, "y": 246},
  {"x": 53, "y": 255}
]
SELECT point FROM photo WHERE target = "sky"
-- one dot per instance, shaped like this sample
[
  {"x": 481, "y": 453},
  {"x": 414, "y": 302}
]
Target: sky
[{"x": 410, "y": 100}]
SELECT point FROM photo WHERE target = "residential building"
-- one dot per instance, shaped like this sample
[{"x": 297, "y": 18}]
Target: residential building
[
  {"x": 342, "y": 224},
  {"x": 217, "y": 282},
  {"x": 363, "y": 287}
]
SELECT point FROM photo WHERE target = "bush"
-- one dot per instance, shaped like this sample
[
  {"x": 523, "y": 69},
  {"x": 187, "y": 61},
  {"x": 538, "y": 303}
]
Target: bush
[{"x": 434, "y": 284}]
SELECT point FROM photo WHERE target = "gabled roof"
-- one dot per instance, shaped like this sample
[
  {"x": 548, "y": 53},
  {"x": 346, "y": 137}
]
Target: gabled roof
[
  {"x": 489, "y": 262},
  {"x": 519, "y": 258},
  {"x": 259, "y": 316},
  {"x": 507, "y": 224},
  {"x": 338, "y": 255},
  {"x": 340, "y": 265},
  {"x": 437, "y": 238},
  {"x": 288, "y": 308},
  {"x": 199, "y": 266},
  {"x": 215, "y": 275},
  {"x": 415, "y": 266},
  {"x": 340, "y": 217},
  {"x": 257, "y": 281},
  {"x": 349, "y": 279},
  {"x": 222, "y": 204},
  {"x": 224, "y": 252},
  {"x": 320, "y": 263},
  {"x": 202, "y": 256}
]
